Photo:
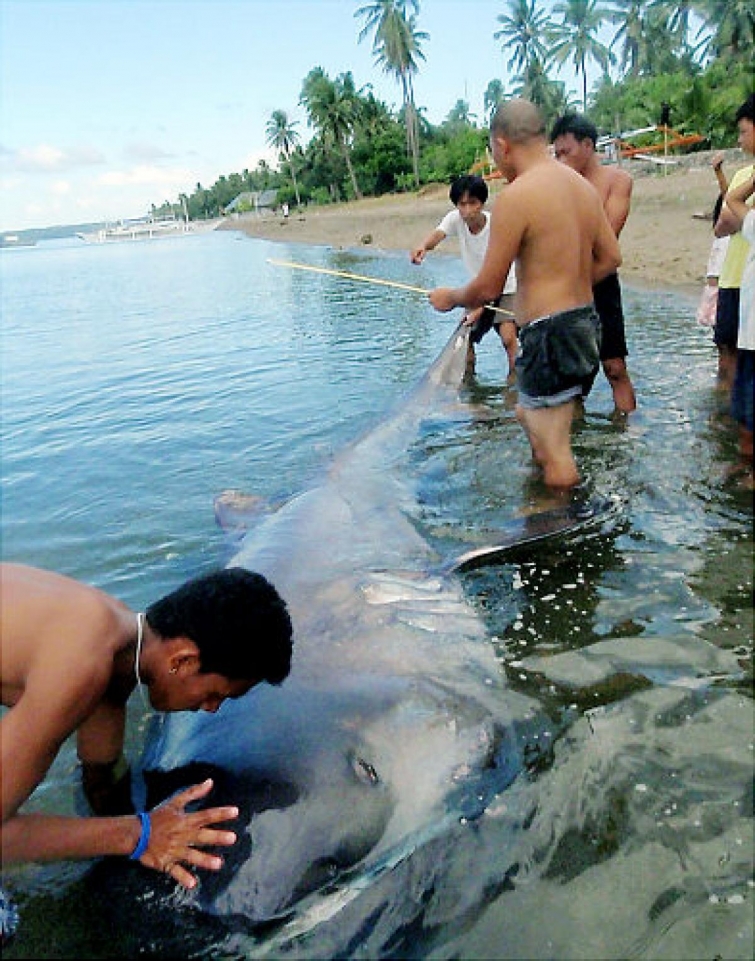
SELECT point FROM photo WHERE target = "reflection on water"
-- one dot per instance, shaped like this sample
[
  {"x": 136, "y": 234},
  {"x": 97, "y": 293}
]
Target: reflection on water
[{"x": 140, "y": 382}]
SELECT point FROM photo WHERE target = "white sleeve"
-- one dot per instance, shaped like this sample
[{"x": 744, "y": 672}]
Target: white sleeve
[{"x": 450, "y": 223}]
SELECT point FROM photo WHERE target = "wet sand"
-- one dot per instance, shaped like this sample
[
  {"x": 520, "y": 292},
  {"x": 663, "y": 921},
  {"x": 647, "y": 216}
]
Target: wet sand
[{"x": 665, "y": 242}]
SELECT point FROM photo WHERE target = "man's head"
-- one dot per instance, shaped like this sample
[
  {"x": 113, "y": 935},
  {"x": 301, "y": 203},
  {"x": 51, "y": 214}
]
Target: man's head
[
  {"x": 468, "y": 194},
  {"x": 515, "y": 124},
  {"x": 235, "y": 623},
  {"x": 745, "y": 126},
  {"x": 574, "y": 138}
]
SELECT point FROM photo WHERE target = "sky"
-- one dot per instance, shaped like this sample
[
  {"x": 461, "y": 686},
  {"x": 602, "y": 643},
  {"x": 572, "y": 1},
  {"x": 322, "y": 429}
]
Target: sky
[{"x": 110, "y": 106}]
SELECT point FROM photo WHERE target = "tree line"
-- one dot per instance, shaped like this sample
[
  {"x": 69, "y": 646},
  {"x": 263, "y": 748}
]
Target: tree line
[{"x": 695, "y": 56}]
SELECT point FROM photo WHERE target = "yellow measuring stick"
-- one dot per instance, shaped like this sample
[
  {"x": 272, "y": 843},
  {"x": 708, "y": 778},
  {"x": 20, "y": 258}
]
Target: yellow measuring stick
[{"x": 361, "y": 277}]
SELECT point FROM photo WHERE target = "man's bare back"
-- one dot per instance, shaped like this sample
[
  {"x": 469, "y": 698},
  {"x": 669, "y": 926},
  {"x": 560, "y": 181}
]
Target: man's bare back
[
  {"x": 552, "y": 223},
  {"x": 71, "y": 656},
  {"x": 49, "y": 624}
]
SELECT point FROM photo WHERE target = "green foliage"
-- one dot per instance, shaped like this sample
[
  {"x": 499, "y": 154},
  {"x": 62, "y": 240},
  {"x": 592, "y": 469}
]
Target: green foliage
[
  {"x": 359, "y": 146},
  {"x": 380, "y": 159},
  {"x": 704, "y": 103},
  {"x": 446, "y": 159}
]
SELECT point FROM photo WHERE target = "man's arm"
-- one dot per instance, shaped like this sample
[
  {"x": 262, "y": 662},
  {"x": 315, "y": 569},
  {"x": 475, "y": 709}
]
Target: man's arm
[
  {"x": 31, "y": 733},
  {"x": 736, "y": 198},
  {"x": 606, "y": 250},
  {"x": 429, "y": 243},
  {"x": 619, "y": 200},
  {"x": 717, "y": 164},
  {"x": 728, "y": 222},
  {"x": 105, "y": 774},
  {"x": 173, "y": 843}
]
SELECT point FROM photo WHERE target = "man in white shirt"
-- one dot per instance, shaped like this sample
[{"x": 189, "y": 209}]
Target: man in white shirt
[{"x": 470, "y": 224}]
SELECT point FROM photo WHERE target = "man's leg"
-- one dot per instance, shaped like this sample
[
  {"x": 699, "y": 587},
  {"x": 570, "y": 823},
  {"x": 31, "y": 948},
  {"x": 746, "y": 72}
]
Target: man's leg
[
  {"x": 617, "y": 375},
  {"x": 613, "y": 344},
  {"x": 725, "y": 335},
  {"x": 510, "y": 341},
  {"x": 549, "y": 432}
]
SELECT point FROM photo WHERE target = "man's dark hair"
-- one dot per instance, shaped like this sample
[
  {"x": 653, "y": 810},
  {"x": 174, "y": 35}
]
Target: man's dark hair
[
  {"x": 468, "y": 184},
  {"x": 236, "y": 618},
  {"x": 747, "y": 110},
  {"x": 577, "y": 125}
]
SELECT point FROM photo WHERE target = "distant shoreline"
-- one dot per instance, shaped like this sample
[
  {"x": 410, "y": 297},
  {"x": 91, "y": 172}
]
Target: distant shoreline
[{"x": 665, "y": 242}]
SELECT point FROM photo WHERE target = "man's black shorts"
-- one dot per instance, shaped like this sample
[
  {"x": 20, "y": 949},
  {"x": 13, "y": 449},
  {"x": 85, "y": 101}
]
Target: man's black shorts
[
  {"x": 607, "y": 296},
  {"x": 491, "y": 318},
  {"x": 726, "y": 331}
]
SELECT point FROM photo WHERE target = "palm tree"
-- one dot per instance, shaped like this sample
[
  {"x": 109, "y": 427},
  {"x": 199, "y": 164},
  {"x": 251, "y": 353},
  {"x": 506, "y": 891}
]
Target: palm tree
[
  {"x": 549, "y": 95},
  {"x": 630, "y": 15},
  {"x": 575, "y": 37},
  {"x": 333, "y": 109},
  {"x": 282, "y": 135},
  {"x": 524, "y": 29},
  {"x": 732, "y": 27},
  {"x": 494, "y": 93},
  {"x": 397, "y": 45},
  {"x": 677, "y": 15}
]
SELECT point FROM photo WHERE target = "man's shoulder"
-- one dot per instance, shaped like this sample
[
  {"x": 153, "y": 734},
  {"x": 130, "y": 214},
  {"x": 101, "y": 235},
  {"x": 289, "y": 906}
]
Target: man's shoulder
[{"x": 609, "y": 177}]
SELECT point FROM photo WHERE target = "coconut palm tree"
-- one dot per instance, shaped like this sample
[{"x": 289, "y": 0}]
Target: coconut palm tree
[
  {"x": 282, "y": 135},
  {"x": 729, "y": 27},
  {"x": 677, "y": 16},
  {"x": 550, "y": 95},
  {"x": 494, "y": 93},
  {"x": 524, "y": 31},
  {"x": 397, "y": 45},
  {"x": 333, "y": 110},
  {"x": 575, "y": 39},
  {"x": 630, "y": 35}
]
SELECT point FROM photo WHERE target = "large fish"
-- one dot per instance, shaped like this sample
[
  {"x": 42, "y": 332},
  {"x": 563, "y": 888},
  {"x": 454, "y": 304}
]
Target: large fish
[{"x": 396, "y": 721}]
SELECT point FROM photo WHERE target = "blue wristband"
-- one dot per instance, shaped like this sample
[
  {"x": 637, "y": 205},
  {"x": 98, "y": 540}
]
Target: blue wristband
[{"x": 143, "y": 843}]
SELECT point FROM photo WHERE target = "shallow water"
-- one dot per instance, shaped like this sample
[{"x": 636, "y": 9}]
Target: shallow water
[{"x": 141, "y": 380}]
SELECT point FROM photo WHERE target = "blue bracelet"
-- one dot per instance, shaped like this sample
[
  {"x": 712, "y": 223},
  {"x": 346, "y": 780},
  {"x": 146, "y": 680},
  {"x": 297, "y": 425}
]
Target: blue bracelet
[{"x": 143, "y": 843}]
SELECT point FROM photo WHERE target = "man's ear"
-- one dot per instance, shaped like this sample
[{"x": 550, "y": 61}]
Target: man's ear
[{"x": 183, "y": 656}]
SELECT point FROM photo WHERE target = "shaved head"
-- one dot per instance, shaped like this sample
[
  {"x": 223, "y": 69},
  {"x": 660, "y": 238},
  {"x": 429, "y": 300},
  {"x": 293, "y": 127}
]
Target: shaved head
[{"x": 519, "y": 121}]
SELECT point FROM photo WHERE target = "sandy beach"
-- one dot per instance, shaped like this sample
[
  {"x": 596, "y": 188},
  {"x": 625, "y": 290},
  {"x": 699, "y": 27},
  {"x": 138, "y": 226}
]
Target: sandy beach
[{"x": 665, "y": 242}]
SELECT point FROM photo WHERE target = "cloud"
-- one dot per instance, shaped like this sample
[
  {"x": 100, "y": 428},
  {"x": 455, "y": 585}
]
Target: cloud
[
  {"x": 45, "y": 158},
  {"x": 145, "y": 152},
  {"x": 145, "y": 174}
]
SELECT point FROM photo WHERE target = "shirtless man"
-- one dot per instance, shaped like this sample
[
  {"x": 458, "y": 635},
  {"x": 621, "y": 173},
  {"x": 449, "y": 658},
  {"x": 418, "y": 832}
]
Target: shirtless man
[
  {"x": 551, "y": 221},
  {"x": 72, "y": 655},
  {"x": 574, "y": 139}
]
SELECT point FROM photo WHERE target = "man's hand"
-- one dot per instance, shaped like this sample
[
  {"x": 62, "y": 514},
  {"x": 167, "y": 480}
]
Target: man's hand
[
  {"x": 418, "y": 255},
  {"x": 471, "y": 318},
  {"x": 176, "y": 836},
  {"x": 442, "y": 299}
]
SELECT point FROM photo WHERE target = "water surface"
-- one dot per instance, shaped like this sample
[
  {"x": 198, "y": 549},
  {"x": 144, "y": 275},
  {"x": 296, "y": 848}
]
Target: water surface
[{"x": 139, "y": 381}]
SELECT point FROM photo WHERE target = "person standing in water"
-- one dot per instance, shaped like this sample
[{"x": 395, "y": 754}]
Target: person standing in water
[
  {"x": 551, "y": 221},
  {"x": 469, "y": 222},
  {"x": 574, "y": 140}
]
